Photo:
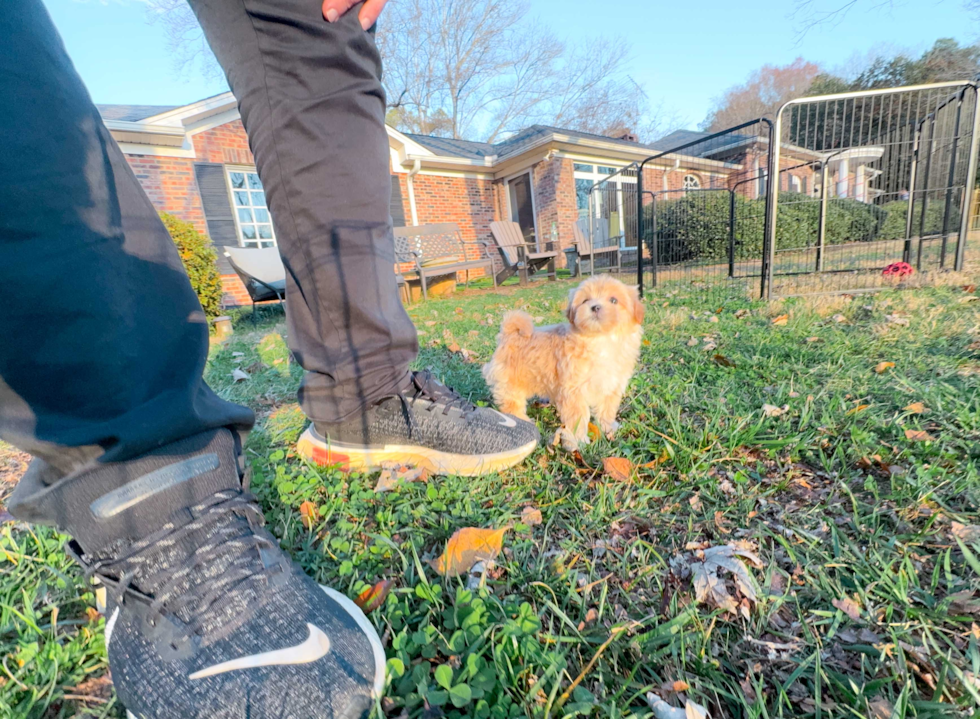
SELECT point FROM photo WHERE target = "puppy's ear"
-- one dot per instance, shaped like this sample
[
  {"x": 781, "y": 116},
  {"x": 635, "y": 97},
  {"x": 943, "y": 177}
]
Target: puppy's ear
[
  {"x": 570, "y": 310},
  {"x": 638, "y": 308}
]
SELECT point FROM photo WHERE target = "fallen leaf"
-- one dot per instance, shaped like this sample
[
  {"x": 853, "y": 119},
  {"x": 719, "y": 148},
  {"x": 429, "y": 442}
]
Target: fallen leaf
[
  {"x": 839, "y": 318},
  {"x": 618, "y": 469},
  {"x": 308, "y": 514},
  {"x": 430, "y": 323},
  {"x": 771, "y": 410},
  {"x": 915, "y": 408},
  {"x": 693, "y": 342},
  {"x": 966, "y": 532},
  {"x": 474, "y": 333},
  {"x": 859, "y": 408},
  {"x": 813, "y": 339},
  {"x": 531, "y": 516},
  {"x": 468, "y": 546},
  {"x": 898, "y": 320},
  {"x": 646, "y": 342},
  {"x": 92, "y": 614},
  {"x": 721, "y": 523},
  {"x": 739, "y": 314},
  {"x": 663, "y": 710},
  {"x": 594, "y": 432},
  {"x": 723, "y": 360},
  {"x": 883, "y": 367},
  {"x": 591, "y": 615},
  {"x": 849, "y": 607},
  {"x": 918, "y": 435},
  {"x": 880, "y": 709},
  {"x": 710, "y": 588},
  {"x": 695, "y": 501},
  {"x": 394, "y": 474},
  {"x": 454, "y": 347},
  {"x": 781, "y": 320},
  {"x": 373, "y": 597},
  {"x": 968, "y": 298},
  {"x": 969, "y": 288},
  {"x": 238, "y": 375},
  {"x": 680, "y": 686}
]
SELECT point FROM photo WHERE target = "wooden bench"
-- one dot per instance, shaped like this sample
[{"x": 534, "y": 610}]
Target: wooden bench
[{"x": 436, "y": 251}]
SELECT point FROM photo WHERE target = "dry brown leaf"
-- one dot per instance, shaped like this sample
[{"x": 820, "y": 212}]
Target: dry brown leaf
[
  {"x": 238, "y": 375},
  {"x": 849, "y": 607},
  {"x": 966, "y": 532},
  {"x": 781, "y": 320},
  {"x": 813, "y": 339},
  {"x": 394, "y": 474},
  {"x": 594, "y": 432},
  {"x": 373, "y": 597},
  {"x": 468, "y": 546},
  {"x": 430, "y": 323},
  {"x": 880, "y": 708},
  {"x": 723, "y": 360},
  {"x": 646, "y": 342},
  {"x": 454, "y": 347},
  {"x": 721, "y": 522},
  {"x": 859, "y": 408},
  {"x": 680, "y": 686},
  {"x": 619, "y": 469},
  {"x": 739, "y": 314},
  {"x": 308, "y": 514},
  {"x": 883, "y": 367},
  {"x": 771, "y": 410},
  {"x": 531, "y": 516},
  {"x": 918, "y": 435},
  {"x": 710, "y": 588},
  {"x": 915, "y": 408}
]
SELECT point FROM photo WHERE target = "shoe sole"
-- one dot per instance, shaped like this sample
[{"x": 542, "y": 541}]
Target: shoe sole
[
  {"x": 365, "y": 459},
  {"x": 372, "y": 634}
]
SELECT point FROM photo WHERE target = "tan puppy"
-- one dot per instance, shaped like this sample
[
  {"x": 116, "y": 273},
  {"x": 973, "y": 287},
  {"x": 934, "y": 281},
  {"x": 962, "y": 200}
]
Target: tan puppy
[{"x": 582, "y": 367}]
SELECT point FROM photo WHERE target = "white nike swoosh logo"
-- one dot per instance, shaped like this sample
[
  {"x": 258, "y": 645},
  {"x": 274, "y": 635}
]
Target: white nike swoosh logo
[
  {"x": 507, "y": 421},
  {"x": 315, "y": 647}
]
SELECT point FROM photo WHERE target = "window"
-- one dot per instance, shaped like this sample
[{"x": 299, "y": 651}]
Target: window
[
  {"x": 603, "y": 201},
  {"x": 251, "y": 213},
  {"x": 579, "y": 167},
  {"x": 691, "y": 182},
  {"x": 606, "y": 170},
  {"x": 582, "y": 188}
]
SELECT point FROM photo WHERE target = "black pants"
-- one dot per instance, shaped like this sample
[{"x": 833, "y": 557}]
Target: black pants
[{"x": 102, "y": 340}]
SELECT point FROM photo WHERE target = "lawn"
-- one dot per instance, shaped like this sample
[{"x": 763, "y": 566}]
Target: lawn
[{"x": 842, "y": 489}]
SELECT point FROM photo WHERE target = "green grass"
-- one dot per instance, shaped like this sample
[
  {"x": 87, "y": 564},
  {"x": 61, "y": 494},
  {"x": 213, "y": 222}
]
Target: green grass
[{"x": 837, "y": 501}]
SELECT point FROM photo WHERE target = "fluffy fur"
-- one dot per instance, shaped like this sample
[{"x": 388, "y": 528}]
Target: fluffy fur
[{"x": 582, "y": 367}]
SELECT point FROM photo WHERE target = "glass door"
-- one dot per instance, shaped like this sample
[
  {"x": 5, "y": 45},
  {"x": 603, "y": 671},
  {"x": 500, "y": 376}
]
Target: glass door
[{"x": 522, "y": 208}]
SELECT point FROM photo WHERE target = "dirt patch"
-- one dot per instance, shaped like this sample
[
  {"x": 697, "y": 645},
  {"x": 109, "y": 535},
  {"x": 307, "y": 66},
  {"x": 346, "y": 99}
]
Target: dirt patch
[{"x": 13, "y": 464}]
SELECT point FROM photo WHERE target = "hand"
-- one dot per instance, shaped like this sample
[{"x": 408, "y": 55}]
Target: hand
[{"x": 333, "y": 9}]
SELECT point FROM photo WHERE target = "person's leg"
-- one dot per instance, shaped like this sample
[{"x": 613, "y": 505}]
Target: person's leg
[
  {"x": 101, "y": 358},
  {"x": 312, "y": 103}
]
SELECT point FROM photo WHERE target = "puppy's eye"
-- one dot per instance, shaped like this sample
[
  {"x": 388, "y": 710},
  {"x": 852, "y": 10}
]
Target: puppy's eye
[{"x": 613, "y": 300}]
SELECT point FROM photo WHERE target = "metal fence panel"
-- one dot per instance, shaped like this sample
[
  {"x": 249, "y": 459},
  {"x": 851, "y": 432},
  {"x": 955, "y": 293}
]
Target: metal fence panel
[{"x": 896, "y": 171}]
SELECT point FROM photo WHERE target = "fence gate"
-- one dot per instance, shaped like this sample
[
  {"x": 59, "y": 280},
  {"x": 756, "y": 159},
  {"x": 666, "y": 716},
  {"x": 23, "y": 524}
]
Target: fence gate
[
  {"x": 701, "y": 211},
  {"x": 869, "y": 179}
]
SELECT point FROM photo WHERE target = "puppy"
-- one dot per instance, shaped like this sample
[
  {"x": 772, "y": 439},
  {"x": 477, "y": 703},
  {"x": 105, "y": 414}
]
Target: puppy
[{"x": 583, "y": 367}]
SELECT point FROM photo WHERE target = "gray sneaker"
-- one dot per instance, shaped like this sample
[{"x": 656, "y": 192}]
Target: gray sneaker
[
  {"x": 428, "y": 425},
  {"x": 207, "y": 618}
]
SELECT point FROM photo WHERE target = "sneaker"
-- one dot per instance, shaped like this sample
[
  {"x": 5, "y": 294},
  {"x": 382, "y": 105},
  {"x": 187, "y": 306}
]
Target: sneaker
[
  {"x": 206, "y": 616},
  {"x": 429, "y": 425}
]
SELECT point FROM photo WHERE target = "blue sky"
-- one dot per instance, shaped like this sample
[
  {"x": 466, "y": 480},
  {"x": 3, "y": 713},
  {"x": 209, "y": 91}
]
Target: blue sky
[{"x": 683, "y": 52}]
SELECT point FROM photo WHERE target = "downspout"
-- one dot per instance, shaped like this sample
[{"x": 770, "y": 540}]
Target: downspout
[
  {"x": 411, "y": 191},
  {"x": 675, "y": 168}
]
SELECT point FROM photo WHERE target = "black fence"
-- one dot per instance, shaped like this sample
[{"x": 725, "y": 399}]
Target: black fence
[{"x": 864, "y": 181}]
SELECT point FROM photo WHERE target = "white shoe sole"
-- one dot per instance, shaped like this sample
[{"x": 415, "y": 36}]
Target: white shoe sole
[
  {"x": 365, "y": 459},
  {"x": 365, "y": 624}
]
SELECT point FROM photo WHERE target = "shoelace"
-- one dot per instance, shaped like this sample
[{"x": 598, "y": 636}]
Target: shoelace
[
  {"x": 428, "y": 388},
  {"x": 160, "y": 589}
]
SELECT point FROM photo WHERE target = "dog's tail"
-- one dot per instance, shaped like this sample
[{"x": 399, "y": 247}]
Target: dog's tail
[{"x": 517, "y": 324}]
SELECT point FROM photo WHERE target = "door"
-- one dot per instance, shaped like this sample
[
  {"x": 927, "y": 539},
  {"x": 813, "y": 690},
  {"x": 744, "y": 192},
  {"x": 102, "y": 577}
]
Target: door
[{"x": 522, "y": 208}]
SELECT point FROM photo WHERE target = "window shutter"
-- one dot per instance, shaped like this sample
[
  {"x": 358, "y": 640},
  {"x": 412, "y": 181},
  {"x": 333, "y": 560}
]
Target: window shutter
[
  {"x": 397, "y": 204},
  {"x": 217, "y": 210}
]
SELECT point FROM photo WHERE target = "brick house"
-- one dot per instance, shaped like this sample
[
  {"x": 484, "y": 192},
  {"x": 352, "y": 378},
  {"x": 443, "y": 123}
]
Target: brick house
[{"x": 194, "y": 162}]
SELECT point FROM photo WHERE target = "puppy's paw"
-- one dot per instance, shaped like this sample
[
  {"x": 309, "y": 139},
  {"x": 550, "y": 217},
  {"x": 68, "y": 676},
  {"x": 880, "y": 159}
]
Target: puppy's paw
[
  {"x": 610, "y": 429},
  {"x": 570, "y": 442}
]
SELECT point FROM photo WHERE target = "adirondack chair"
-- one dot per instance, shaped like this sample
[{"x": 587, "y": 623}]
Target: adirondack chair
[
  {"x": 589, "y": 251},
  {"x": 517, "y": 257}
]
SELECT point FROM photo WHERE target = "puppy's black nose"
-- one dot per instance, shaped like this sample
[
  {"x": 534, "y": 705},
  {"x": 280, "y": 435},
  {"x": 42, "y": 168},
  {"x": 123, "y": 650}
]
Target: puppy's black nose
[{"x": 596, "y": 308}]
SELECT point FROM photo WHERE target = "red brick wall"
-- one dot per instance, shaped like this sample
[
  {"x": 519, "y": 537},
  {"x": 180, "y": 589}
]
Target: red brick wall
[
  {"x": 466, "y": 201},
  {"x": 554, "y": 200},
  {"x": 170, "y": 184},
  {"x": 226, "y": 144},
  {"x": 234, "y": 291}
]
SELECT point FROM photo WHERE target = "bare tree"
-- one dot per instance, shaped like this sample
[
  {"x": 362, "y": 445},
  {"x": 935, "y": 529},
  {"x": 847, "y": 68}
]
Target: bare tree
[
  {"x": 490, "y": 71},
  {"x": 810, "y": 14},
  {"x": 185, "y": 39},
  {"x": 766, "y": 89}
]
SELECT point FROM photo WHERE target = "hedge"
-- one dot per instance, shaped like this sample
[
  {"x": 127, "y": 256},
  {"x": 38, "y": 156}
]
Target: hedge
[
  {"x": 200, "y": 261},
  {"x": 696, "y": 226}
]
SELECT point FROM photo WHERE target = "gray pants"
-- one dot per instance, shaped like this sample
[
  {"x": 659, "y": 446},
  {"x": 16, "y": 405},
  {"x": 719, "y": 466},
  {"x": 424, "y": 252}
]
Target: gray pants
[{"x": 102, "y": 340}]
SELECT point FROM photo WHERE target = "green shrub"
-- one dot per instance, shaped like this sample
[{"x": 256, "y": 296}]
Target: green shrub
[
  {"x": 894, "y": 226},
  {"x": 200, "y": 261},
  {"x": 696, "y": 226}
]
